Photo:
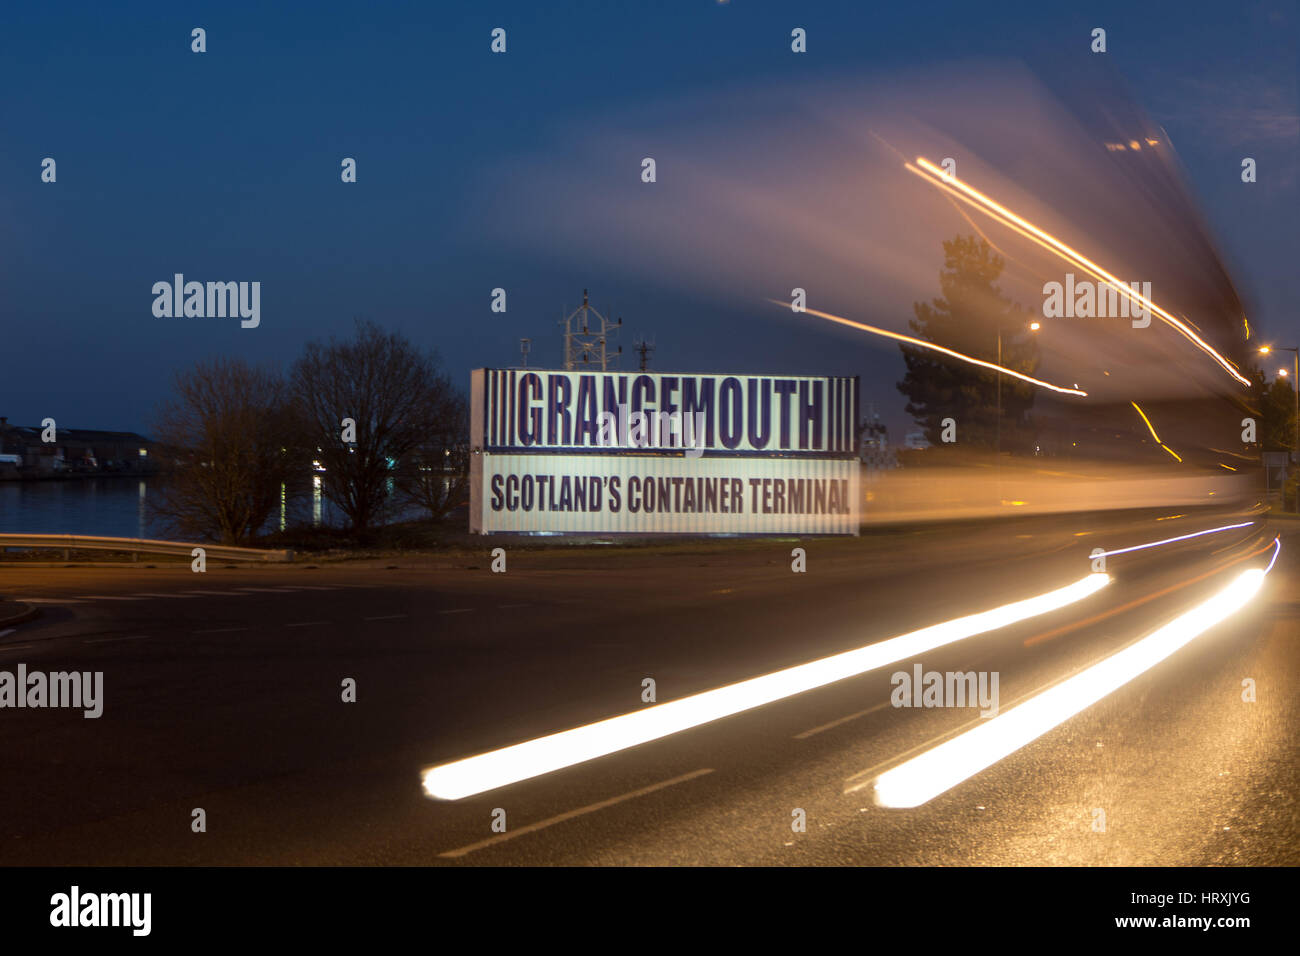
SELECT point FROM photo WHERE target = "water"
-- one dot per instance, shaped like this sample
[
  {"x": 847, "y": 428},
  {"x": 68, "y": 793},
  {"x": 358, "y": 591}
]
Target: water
[
  {"x": 92, "y": 506},
  {"x": 116, "y": 507}
]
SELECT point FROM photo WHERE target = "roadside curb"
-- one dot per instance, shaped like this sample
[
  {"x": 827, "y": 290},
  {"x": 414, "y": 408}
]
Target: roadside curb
[{"x": 14, "y": 612}]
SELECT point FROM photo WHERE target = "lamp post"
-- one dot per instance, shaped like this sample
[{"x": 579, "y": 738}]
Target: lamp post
[
  {"x": 1295, "y": 387},
  {"x": 1033, "y": 327}
]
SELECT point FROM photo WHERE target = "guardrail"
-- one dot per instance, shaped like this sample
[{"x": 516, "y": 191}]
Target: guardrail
[{"x": 137, "y": 546}]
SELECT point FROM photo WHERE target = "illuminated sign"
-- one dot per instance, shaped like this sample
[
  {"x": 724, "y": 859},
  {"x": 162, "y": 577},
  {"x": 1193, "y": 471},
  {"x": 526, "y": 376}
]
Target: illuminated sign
[{"x": 637, "y": 452}]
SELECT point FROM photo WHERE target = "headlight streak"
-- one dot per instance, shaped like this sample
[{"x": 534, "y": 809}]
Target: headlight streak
[
  {"x": 1184, "y": 537},
  {"x": 922, "y": 343},
  {"x": 938, "y": 177},
  {"x": 496, "y": 768},
  {"x": 938, "y": 770}
]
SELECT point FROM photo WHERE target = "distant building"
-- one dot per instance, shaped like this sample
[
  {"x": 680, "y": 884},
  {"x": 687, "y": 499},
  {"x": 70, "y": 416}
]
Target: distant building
[{"x": 76, "y": 451}]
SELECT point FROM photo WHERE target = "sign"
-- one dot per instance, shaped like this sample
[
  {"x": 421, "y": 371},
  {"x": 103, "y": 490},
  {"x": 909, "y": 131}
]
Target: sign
[{"x": 638, "y": 452}]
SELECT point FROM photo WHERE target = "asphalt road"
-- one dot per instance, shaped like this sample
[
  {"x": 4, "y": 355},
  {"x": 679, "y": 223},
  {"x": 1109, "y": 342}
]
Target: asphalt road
[{"x": 223, "y": 691}]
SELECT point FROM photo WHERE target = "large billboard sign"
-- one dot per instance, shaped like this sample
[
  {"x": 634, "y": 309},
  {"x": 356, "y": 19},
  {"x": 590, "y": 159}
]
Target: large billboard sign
[{"x": 642, "y": 452}]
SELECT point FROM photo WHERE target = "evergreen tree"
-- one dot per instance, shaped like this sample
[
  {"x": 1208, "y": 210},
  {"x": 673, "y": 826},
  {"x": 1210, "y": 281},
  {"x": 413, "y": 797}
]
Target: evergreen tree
[{"x": 967, "y": 318}]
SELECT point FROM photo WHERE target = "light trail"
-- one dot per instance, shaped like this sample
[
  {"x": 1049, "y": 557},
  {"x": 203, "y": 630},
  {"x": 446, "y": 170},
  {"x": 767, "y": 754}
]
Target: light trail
[
  {"x": 1276, "y": 551},
  {"x": 1151, "y": 428},
  {"x": 496, "y": 768},
  {"x": 926, "y": 776},
  {"x": 938, "y": 177},
  {"x": 1184, "y": 537},
  {"x": 922, "y": 343}
]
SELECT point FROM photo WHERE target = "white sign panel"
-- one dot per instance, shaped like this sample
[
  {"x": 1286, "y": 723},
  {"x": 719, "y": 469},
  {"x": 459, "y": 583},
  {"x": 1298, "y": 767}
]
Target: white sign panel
[
  {"x": 640, "y": 494},
  {"x": 637, "y": 453}
]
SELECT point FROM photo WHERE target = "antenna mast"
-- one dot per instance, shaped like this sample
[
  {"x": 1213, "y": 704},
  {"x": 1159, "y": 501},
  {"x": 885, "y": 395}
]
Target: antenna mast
[{"x": 589, "y": 341}]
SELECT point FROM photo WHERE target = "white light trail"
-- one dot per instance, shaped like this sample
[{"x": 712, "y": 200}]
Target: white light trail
[
  {"x": 487, "y": 771},
  {"x": 1276, "y": 551},
  {"x": 1184, "y": 537},
  {"x": 940, "y": 769}
]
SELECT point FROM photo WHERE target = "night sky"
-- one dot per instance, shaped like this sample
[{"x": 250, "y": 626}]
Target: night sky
[{"x": 226, "y": 166}]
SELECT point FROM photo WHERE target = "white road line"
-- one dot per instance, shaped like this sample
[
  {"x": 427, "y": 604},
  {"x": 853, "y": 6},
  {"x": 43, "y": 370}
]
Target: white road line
[
  {"x": 27, "y": 600},
  {"x": 387, "y": 617},
  {"x": 457, "y": 610},
  {"x": 104, "y": 597},
  {"x": 106, "y": 640},
  {"x": 570, "y": 814},
  {"x": 9, "y": 631},
  {"x": 220, "y": 630},
  {"x": 211, "y": 593},
  {"x": 843, "y": 720}
]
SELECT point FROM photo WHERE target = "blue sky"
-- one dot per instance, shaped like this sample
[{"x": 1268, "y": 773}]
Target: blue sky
[{"x": 225, "y": 166}]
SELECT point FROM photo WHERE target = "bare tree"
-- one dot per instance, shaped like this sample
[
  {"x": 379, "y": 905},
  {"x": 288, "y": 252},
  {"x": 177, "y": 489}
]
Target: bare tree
[
  {"x": 231, "y": 433},
  {"x": 391, "y": 391},
  {"x": 435, "y": 475}
]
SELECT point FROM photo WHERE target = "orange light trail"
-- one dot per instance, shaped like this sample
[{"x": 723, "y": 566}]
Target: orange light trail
[
  {"x": 1152, "y": 429},
  {"x": 938, "y": 177},
  {"x": 921, "y": 343}
]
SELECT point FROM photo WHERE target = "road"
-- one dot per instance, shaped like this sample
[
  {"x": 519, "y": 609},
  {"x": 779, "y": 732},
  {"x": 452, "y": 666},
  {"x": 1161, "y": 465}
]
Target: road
[{"x": 223, "y": 691}]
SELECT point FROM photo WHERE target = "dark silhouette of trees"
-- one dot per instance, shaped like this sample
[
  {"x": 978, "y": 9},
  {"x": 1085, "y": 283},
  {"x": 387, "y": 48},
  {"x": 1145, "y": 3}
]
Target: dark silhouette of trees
[
  {"x": 967, "y": 318},
  {"x": 231, "y": 432},
  {"x": 397, "y": 398}
]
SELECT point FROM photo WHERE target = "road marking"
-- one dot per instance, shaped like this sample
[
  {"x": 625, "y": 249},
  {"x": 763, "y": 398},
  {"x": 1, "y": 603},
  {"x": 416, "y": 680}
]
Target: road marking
[
  {"x": 106, "y": 640},
  {"x": 308, "y": 624},
  {"x": 181, "y": 597},
  {"x": 9, "y": 631},
  {"x": 843, "y": 720},
  {"x": 220, "y": 630},
  {"x": 49, "y": 601},
  {"x": 457, "y": 610},
  {"x": 264, "y": 590},
  {"x": 570, "y": 814},
  {"x": 387, "y": 617},
  {"x": 104, "y": 597},
  {"x": 212, "y": 593}
]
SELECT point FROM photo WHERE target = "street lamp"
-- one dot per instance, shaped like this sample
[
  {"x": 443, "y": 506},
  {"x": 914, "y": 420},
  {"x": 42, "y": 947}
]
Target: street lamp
[
  {"x": 1033, "y": 327},
  {"x": 1295, "y": 382}
]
